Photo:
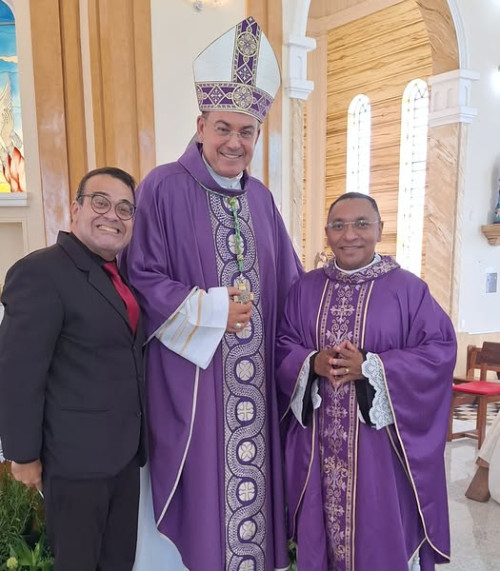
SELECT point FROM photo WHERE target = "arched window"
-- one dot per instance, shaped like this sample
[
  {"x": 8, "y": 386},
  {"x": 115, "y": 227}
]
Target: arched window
[
  {"x": 358, "y": 145},
  {"x": 413, "y": 160},
  {"x": 12, "y": 177}
]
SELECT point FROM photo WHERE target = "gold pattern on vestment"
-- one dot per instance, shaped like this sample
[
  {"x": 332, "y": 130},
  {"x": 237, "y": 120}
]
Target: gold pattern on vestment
[{"x": 342, "y": 319}]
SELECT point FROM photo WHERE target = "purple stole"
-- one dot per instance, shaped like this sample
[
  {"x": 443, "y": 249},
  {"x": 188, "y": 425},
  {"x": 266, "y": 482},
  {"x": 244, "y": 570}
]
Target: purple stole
[
  {"x": 244, "y": 396},
  {"x": 342, "y": 317}
]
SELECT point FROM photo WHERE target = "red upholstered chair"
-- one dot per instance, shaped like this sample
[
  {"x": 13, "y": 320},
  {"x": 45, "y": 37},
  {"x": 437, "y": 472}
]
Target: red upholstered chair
[{"x": 467, "y": 390}]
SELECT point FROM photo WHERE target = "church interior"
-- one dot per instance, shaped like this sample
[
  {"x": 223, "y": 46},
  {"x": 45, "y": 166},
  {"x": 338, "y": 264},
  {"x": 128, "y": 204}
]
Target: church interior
[{"x": 398, "y": 99}]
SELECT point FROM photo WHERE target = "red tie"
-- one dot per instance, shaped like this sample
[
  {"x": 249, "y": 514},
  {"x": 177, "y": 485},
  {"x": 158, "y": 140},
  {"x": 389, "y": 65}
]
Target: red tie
[{"x": 125, "y": 293}]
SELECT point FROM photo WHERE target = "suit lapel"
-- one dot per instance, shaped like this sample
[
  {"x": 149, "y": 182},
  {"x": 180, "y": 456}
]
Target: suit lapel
[
  {"x": 96, "y": 276},
  {"x": 98, "y": 279}
]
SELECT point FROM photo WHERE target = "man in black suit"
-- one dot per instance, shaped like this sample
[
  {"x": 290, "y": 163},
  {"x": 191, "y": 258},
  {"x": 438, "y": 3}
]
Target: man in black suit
[{"x": 71, "y": 380}]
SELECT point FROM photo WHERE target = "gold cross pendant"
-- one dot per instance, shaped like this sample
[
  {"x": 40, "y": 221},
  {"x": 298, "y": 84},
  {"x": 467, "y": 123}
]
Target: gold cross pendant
[{"x": 245, "y": 294}]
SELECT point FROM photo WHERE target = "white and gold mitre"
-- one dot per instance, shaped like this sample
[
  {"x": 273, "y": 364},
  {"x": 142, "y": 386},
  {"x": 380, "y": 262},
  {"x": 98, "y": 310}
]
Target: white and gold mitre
[{"x": 238, "y": 72}]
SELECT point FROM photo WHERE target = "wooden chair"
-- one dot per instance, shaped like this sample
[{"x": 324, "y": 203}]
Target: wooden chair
[{"x": 468, "y": 390}]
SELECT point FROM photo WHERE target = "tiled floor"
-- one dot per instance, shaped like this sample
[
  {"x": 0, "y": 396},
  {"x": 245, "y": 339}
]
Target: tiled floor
[{"x": 475, "y": 526}]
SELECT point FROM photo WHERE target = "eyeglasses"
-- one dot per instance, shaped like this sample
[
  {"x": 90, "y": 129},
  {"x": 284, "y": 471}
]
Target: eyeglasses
[
  {"x": 100, "y": 204},
  {"x": 359, "y": 225},
  {"x": 224, "y": 132}
]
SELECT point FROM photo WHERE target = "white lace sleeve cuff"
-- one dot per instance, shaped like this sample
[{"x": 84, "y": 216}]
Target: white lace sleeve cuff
[
  {"x": 196, "y": 328},
  {"x": 380, "y": 412},
  {"x": 297, "y": 402}
]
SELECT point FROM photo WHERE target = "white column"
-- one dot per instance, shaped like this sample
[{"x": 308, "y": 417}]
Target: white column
[
  {"x": 450, "y": 97},
  {"x": 296, "y": 89},
  {"x": 296, "y": 85}
]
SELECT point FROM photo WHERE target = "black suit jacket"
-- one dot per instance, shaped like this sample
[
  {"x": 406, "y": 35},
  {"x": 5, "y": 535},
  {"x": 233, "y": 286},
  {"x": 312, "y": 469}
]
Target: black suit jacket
[{"x": 71, "y": 369}]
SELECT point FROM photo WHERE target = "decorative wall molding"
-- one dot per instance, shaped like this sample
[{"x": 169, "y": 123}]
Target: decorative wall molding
[
  {"x": 296, "y": 85},
  {"x": 450, "y": 97},
  {"x": 463, "y": 49},
  {"x": 13, "y": 199},
  {"x": 492, "y": 233}
]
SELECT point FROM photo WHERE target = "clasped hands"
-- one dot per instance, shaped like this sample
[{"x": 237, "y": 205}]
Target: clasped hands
[
  {"x": 239, "y": 313},
  {"x": 340, "y": 364}
]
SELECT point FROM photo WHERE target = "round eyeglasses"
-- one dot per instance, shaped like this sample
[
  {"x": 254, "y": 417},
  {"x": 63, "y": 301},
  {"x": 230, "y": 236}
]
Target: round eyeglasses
[
  {"x": 101, "y": 204},
  {"x": 224, "y": 132},
  {"x": 358, "y": 225}
]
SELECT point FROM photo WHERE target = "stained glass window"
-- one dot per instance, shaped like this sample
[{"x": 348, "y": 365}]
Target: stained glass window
[
  {"x": 358, "y": 145},
  {"x": 413, "y": 162},
  {"x": 12, "y": 176}
]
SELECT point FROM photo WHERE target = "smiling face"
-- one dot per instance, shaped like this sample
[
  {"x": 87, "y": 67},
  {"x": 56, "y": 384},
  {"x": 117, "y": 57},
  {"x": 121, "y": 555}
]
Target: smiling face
[
  {"x": 103, "y": 234},
  {"x": 353, "y": 247},
  {"x": 228, "y": 140}
]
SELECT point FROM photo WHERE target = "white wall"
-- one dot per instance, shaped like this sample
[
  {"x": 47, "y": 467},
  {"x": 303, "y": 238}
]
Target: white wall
[
  {"x": 479, "y": 312},
  {"x": 179, "y": 34}
]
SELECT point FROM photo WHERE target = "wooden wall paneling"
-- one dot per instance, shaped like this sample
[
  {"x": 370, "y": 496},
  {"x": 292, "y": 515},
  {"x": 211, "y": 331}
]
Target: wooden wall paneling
[
  {"x": 379, "y": 42},
  {"x": 321, "y": 8},
  {"x": 74, "y": 103},
  {"x": 99, "y": 117},
  {"x": 443, "y": 212},
  {"x": 118, "y": 84},
  {"x": 328, "y": 14},
  {"x": 413, "y": 67},
  {"x": 268, "y": 157},
  {"x": 122, "y": 84},
  {"x": 379, "y": 25},
  {"x": 442, "y": 34},
  {"x": 387, "y": 110},
  {"x": 385, "y": 158},
  {"x": 144, "y": 86},
  {"x": 274, "y": 32},
  {"x": 376, "y": 55},
  {"x": 260, "y": 160},
  {"x": 51, "y": 116}
]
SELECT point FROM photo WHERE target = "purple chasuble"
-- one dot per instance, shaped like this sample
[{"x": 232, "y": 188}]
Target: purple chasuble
[
  {"x": 362, "y": 499},
  {"x": 215, "y": 455}
]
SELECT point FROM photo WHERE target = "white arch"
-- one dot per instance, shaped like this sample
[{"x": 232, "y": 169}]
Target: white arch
[
  {"x": 463, "y": 50},
  {"x": 10, "y": 4},
  {"x": 296, "y": 12}
]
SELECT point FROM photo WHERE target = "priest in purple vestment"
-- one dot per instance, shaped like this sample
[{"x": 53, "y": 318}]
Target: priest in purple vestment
[
  {"x": 365, "y": 359},
  {"x": 212, "y": 263}
]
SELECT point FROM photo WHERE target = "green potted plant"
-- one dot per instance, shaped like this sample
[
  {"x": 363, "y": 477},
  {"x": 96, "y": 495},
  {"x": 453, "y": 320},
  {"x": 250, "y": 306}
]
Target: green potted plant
[{"x": 22, "y": 541}]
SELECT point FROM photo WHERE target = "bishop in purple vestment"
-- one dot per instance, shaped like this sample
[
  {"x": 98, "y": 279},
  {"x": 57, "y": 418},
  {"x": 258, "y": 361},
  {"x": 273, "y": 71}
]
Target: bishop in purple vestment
[
  {"x": 365, "y": 361},
  {"x": 205, "y": 229}
]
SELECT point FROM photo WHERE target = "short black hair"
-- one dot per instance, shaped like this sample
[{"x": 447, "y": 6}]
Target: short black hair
[
  {"x": 349, "y": 195},
  {"x": 115, "y": 172}
]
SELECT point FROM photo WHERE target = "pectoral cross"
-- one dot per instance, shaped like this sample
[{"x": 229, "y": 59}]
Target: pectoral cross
[{"x": 245, "y": 295}]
